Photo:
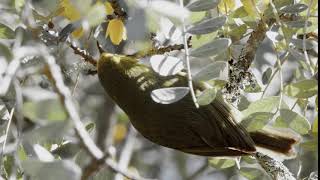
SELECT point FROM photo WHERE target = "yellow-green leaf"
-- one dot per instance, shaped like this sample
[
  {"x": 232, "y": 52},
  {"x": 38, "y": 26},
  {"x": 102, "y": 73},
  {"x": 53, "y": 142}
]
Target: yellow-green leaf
[
  {"x": 69, "y": 10},
  {"x": 302, "y": 89},
  {"x": 109, "y": 8},
  {"x": 220, "y": 163},
  {"x": 250, "y": 7},
  {"x": 226, "y": 5},
  {"x": 116, "y": 30}
]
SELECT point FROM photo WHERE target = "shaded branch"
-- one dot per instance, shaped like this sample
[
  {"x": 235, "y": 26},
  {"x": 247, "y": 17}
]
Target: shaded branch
[
  {"x": 161, "y": 50},
  {"x": 274, "y": 168}
]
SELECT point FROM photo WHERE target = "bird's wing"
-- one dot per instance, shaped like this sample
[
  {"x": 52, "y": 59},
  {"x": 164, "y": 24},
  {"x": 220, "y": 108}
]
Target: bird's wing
[{"x": 219, "y": 130}]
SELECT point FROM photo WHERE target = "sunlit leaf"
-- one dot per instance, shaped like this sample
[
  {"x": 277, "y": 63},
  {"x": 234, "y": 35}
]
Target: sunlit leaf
[
  {"x": 221, "y": 163},
  {"x": 274, "y": 36},
  {"x": 226, "y": 5},
  {"x": 302, "y": 89},
  {"x": 96, "y": 14},
  {"x": 169, "y": 9},
  {"x": 116, "y": 30},
  {"x": 293, "y": 120},
  {"x": 169, "y": 95},
  {"x": 202, "y": 5},
  {"x": 6, "y": 32},
  {"x": 256, "y": 121},
  {"x": 109, "y": 9},
  {"x": 268, "y": 104},
  {"x": 42, "y": 153},
  {"x": 207, "y": 96},
  {"x": 239, "y": 13},
  {"x": 212, "y": 48},
  {"x": 208, "y": 25},
  {"x": 70, "y": 10},
  {"x": 215, "y": 70},
  {"x": 294, "y": 8},
  {"x": 18, "y": 4},
  {"x": 250, "y": 7},
  {"x": 166, "y": 65}
]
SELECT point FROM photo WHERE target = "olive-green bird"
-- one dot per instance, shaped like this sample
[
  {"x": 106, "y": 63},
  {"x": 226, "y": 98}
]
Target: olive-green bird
[{"x": 210, "y": 130}]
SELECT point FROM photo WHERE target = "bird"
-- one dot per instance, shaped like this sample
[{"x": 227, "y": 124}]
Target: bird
[{"x": 210, "y": 130}]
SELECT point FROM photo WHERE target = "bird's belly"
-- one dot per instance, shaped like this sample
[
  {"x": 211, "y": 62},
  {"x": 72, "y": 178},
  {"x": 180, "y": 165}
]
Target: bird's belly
[{"x": 166, "y": 129}]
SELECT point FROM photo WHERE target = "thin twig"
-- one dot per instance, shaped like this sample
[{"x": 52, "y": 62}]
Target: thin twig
[
  {"x": 83, "y": 54},
  {"x": 161, "y": 50},
  {"x": 186, "y": 49}
]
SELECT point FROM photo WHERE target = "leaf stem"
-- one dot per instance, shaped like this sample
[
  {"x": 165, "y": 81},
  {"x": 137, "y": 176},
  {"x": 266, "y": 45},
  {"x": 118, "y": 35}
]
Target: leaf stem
[{"x": 186, "y": 48}]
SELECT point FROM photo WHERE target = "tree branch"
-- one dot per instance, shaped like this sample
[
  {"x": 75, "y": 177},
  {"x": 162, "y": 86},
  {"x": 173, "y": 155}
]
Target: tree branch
[
  {"x": 274, "y": 168},
  {"x": 83, "y": 135}
]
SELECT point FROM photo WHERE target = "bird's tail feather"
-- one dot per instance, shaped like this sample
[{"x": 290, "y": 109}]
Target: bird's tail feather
[{"x": 278, "y": 141}]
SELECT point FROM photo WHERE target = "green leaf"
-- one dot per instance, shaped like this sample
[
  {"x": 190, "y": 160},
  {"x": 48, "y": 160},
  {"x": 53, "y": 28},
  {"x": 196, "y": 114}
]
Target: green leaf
[
  {"x": 294, "y": 8},
  {"x": 268, "y": 104},
  {"x": 18, "y": 4},
  {"x": 208, "y": 25},
  {"x": 123, "y": 117},
  {"x": 238, "y": 31},
  {"x": 315, "y": 126},
  {"x": 207, "y": 96},
  {"x": 266, "y": 76},
  {"x": 298, "y": 24},
  {"x": 317, "y": 102},
  {"x": 310, "y": 145},
  {"x": 22, "y": 153},
  {"x": 212, "y": 48},
  {"x": 302, "y": 103},
  {"x": 58, "y": 169},
  {"x": 293, "y": 120},
  {"x": 220, "y": 163},
  {"x": 298, "y": 43},
  {"x": 243, "y": 104},
  {"x": 215, "y": 70},
  {"x": 53, "y": 111},
  {"x": 302, "y": 89},
  {"x": 6, "y": 52},
  {"x": 254, "y": 87},
  {"x": 52, "y": 132},
  {"x": 239, "y": 13},
  {"x": 256, "y": 121},
  {"x": 203, "y": 5},
  {"x": 90, "y": 127},
  {"x": 251, "y": 173},
  {"x": 6, "y": 32}
]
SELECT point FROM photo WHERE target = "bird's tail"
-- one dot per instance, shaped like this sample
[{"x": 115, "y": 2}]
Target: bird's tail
[{"x": 277, "y": 141}]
